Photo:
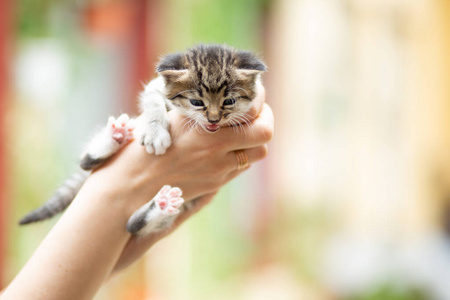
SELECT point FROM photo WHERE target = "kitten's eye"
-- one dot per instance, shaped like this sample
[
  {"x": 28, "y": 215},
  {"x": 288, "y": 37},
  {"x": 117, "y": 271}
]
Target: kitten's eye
[
  {"x": 197, "y": 102},
  {"x": 229, "y": 102}
]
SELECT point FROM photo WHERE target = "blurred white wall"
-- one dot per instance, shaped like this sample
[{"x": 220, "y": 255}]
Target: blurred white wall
[{"x": 361, "y": 119}]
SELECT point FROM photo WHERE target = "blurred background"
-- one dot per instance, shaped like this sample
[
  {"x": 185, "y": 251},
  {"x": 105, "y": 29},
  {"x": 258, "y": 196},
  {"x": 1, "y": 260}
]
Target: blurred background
[{"x": 353, "y": 201}]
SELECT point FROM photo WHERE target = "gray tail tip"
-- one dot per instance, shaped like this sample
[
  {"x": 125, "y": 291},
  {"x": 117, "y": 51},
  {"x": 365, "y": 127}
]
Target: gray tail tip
[{"x": 28, "y": 219}]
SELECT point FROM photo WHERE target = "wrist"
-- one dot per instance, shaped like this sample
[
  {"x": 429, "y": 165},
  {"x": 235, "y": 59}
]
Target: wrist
[{"x": 125, "y": 182}]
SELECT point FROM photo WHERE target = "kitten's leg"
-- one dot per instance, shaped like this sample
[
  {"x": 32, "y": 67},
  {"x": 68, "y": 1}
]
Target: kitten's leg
[
  {"x": 154, "y": 133},
  {"x": 157, "y": 214},
  {"x": 117, "y": 133}
]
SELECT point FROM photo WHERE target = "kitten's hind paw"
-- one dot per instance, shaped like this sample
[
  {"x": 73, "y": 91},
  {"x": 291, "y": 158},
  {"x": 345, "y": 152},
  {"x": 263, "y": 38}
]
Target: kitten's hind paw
[
  {"x": 156, "y": 140},
  {"x": 169, "y": 200},
  {"x": 157, "y": 214},
  {"x": 121, "y": 129}
]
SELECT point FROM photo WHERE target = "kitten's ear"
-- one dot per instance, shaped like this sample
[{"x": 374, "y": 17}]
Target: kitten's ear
[
  {"x": 247, "y": 75},
  {"x": 248, "y": 61},
  {"x": 248, "y": 66},
  {"x": 171, "y": 62},
  {"x": 171, "y": 76},
  {"x": 172, "y": 68}
]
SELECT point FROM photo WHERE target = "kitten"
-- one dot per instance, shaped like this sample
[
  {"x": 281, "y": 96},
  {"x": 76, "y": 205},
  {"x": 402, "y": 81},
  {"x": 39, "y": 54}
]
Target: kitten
[{"x": 212, "y": 85}]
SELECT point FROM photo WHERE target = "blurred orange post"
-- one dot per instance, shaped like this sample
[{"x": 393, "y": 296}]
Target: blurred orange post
[
  {"x": 5, "y": 29},
  {"x": 145, "y": 46},
  {"x": 134, "y": 24}
]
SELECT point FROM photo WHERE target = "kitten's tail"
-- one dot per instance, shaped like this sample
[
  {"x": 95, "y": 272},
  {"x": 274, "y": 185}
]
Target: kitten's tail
[{"x": 60, "y": 200}]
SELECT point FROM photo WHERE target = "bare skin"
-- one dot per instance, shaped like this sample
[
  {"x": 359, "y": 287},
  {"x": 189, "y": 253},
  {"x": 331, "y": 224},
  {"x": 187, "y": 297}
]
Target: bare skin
[{"x": 90, "y": 242}]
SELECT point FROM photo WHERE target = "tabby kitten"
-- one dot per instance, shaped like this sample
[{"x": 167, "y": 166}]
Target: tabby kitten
[{"x": 212, "y": 85}]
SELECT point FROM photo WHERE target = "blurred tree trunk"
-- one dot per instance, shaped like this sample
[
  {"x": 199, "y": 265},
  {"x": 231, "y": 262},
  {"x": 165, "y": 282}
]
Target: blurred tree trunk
[{"x": 5, "y": 38}]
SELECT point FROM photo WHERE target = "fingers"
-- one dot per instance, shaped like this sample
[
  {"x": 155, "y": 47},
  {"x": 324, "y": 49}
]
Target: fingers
[
  {"x": 259, "y": 132},
  {"x": 252, "y": 154},
  {"x": 197, "y": 205}
]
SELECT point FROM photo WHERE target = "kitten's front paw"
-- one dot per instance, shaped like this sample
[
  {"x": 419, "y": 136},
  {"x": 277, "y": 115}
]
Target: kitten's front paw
[
  {"x": 117, "y": 133},
  {"x": 156, "y": 140},
  {"x": 169, "y": 200},
  {"x": 121, "y": 129}
]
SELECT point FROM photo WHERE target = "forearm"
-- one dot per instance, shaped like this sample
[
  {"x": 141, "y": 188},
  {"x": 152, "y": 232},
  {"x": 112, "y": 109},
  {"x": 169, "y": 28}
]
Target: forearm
[{"x": 82, "y": 248}]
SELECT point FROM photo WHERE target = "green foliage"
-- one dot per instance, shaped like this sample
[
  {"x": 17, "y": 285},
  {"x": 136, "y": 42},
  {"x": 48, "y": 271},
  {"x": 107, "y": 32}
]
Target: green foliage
[
  {"x": 234, "y": 22},
  {"x": 32, "y": 17},
  {"x": 390, "y": 292},
  {"x": 47, "y": 18}
]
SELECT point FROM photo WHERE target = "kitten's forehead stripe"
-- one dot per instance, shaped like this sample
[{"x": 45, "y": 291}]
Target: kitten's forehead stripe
[{"x": 207, "y": 89}]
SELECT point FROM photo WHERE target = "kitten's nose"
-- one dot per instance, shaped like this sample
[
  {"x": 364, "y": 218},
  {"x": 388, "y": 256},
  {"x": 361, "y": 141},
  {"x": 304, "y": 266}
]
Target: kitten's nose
[{"x": 214, "y": 121}]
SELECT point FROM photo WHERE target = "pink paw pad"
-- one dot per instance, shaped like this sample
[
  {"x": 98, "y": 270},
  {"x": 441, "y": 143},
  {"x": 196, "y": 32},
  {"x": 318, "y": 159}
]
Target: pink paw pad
[
  {"x": 121, "y": 128},
  {"x": 169, "y": 199}
]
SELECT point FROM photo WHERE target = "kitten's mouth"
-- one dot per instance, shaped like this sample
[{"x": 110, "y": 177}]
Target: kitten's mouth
[{"x": 212, "y": 127}]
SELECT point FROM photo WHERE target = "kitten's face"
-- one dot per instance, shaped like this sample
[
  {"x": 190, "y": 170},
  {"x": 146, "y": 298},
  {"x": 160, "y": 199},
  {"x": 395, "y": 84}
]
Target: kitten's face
[{"x": 212, "y": 85}]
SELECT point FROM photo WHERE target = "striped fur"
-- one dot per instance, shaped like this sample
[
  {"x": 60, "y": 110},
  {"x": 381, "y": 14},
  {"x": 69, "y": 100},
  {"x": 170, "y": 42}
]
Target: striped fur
[{"x": 61, "y": 198}]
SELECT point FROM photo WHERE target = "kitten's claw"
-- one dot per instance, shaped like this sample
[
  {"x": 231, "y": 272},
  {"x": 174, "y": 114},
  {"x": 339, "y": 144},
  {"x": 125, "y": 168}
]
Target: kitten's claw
[
  {"x": 121, "y": 129},
  {"x": 156, "y": 140},
  {"x": 169, "y": 200}
]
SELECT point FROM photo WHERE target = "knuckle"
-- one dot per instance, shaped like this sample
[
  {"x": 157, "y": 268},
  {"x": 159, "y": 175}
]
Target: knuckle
[
  {"x": 212, "y": 185},
  {"x": 217, "y": 146},
  {"x": 267, "y": 133},
  {"x": 223, "y": 168},
  {"x": 215, "y": 171},
  {"x": 263, "y": 152}
]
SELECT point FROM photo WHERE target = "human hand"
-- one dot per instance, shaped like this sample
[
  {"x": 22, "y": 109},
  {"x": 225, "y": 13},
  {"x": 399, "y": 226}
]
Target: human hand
[
  {"x": 221, "y": 173},
  {"x": 197, "y": 162}
]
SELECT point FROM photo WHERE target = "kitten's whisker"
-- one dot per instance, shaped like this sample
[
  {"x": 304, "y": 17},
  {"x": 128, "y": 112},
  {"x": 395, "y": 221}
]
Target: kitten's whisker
[
  {"x": 238, "y": 128},
  {"x": 239, "y": 88},
  {"x": 180, "y": 128},
  {"x": 192, "y": 124},
  {"x": 235, "y": 129},
  {"x": 235, "y": 122},
  {"x": 197, "y": 125},
  {"x": 234, "y": 95},
  {"x": 185, "y": 91},
  {"x": 244, "y": 123},
  {"x": 246, "y": 116},
  {"x": 243, "y": 119},
  {"x": 186, "y": 123},
  {"x": 232, "y": 84}
]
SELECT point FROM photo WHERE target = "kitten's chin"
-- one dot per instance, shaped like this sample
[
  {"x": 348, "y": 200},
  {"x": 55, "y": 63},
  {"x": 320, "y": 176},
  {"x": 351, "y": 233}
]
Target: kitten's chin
[{"x": 212, "y": 128}]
